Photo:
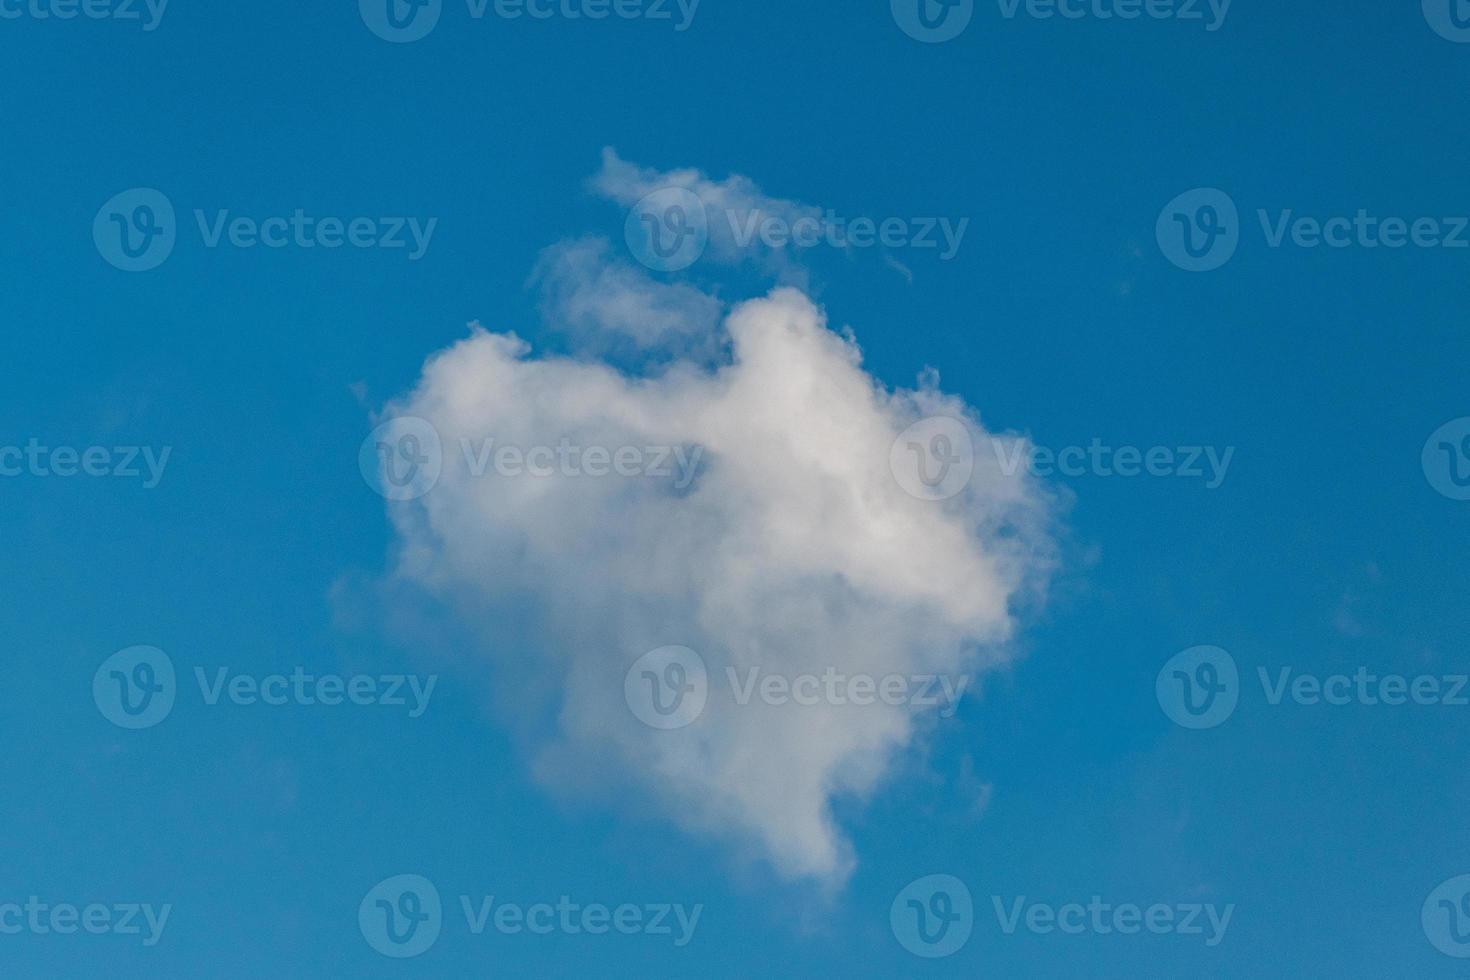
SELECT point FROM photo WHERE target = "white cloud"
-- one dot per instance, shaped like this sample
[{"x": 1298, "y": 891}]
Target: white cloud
[
  {"x": 606, "y": 304},
  {"x": 734, "y": 209},
  {"x": 794, "y": 549}
]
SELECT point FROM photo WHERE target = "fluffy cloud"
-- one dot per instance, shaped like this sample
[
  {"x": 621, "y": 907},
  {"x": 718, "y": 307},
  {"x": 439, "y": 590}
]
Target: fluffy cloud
[
  {"x": 787, "y": 544},
  {"x": 734, "y": 208},
  {"x": 609, "y": 306}
]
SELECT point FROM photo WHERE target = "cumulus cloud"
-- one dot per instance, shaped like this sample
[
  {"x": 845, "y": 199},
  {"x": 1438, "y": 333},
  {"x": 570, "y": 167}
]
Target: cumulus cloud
[{"x": 783, "y": 540}]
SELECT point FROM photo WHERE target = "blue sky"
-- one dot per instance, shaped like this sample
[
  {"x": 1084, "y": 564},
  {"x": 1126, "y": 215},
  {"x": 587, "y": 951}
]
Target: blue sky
[{"x": 1327, "y": 546}]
